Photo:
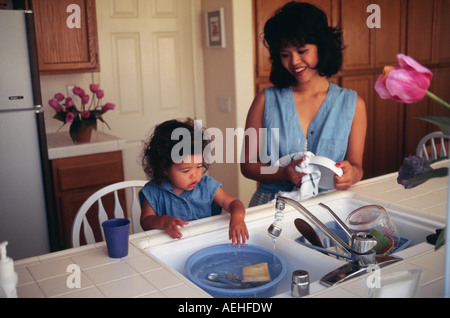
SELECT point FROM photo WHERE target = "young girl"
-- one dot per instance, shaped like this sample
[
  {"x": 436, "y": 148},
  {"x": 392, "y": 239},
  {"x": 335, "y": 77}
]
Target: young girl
[
  {"x": 178, "y": 191},
  {"x": 310, "y": 113}
]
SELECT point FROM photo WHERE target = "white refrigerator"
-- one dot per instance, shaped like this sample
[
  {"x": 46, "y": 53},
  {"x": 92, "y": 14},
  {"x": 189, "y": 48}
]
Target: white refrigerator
[{"x": 26, "y": 204}]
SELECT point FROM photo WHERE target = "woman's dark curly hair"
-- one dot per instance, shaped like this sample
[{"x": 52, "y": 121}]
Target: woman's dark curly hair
[
  {"x": 300, "y": 23},
  {"x": 157, "y": 152}
]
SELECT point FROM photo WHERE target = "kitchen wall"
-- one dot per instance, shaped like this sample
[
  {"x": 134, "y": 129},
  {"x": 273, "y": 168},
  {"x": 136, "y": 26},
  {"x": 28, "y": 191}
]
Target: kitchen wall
[{"x": 228, "y": 72}]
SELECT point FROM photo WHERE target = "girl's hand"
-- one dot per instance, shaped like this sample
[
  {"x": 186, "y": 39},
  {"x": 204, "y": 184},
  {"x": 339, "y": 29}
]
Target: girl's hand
[
  {"x": 238, "y": 232},
  {"x": 171, "y": 225}
]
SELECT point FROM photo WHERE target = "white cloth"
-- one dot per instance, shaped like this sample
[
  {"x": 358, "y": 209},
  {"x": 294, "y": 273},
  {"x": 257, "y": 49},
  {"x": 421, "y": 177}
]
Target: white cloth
[{"x": 310, "y": 182}]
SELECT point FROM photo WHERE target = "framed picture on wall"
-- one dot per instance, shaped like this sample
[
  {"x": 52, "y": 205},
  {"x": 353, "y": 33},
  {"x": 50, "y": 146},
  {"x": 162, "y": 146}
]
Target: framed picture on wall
[{"x": 215, "y": 28}]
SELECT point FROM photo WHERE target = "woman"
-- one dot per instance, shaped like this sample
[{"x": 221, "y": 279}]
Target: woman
[{"x": 310, "y": 113}]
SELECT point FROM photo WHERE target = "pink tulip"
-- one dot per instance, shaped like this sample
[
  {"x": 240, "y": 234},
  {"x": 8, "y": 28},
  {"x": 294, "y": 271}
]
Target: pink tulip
[
  {"x": 108, "y": 106},
  {"x": 100, "y": 93},
  {"x": 59, "y": 97},
  {"x": 93, "y": 87},
  {"x": 85, "y": 114},
  {"x": 55, "y": 105},
  {"x": 405, "y": 84},
  {"x": 78, "y": 91},
  {"x": 85, "y": 99},
  {"x": 69, "y": 117},
  {"x": 69, "y": 102}
]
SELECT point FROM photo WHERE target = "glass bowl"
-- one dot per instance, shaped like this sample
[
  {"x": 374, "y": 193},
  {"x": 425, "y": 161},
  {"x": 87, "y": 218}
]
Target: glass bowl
[{"x": 375, "y": 220}]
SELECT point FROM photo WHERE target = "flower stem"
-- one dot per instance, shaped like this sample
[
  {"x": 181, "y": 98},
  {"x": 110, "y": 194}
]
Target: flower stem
[
  {"x": 92, "y": 101},
  {"x": 437, "y": 99}
]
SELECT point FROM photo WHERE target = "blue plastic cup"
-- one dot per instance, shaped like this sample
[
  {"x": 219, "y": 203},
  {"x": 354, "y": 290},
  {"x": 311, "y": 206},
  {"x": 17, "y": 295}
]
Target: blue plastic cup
[{"x": 116, "y": 237}]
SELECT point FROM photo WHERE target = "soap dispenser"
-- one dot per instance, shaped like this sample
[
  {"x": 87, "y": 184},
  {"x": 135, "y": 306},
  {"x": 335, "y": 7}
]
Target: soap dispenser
[{"x": 8, "y": 277}]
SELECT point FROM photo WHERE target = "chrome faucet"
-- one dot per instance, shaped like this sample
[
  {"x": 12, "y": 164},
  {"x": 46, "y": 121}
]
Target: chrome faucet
[{"x": 360, "y": 252}]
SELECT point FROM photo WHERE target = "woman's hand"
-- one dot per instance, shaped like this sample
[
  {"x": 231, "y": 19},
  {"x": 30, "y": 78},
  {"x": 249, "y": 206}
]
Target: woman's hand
[
  {"x": 351, "y": 174},
  {"x": 292, "y": 175}
]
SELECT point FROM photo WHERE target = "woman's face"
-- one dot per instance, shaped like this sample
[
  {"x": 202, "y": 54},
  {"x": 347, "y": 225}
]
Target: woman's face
[
  {"x": 300, "y": 61},
  {"x": 185, "y": 175}
]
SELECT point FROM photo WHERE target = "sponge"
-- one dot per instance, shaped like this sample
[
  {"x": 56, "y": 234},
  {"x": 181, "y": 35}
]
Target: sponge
[{"x": 256, "y": 273}]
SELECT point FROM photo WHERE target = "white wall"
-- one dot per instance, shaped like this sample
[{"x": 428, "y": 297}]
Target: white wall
[
  {"x": 244, "y": 77},
  {"x": 229, "y": 73}
]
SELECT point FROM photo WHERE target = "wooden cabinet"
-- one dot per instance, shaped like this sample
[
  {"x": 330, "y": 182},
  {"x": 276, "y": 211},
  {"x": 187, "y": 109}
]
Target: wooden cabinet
[
  {"x": 414, "y": 27},
  {"x": 75, "y": 179},
  {"x": 62, "y": 46}
]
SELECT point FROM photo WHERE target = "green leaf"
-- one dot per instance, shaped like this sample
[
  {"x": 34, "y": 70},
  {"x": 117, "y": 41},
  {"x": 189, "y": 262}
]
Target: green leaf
[
  {"x": 435, "y": 161},
  {"x": 74, "y": 128},
  {"x": 86, "y": 122},
  {"x": 103, "y": 121},
  {"x": 442, "y": 122},
  {"x": 440, "y": 241},
  {"x": 60, "y": 116},
  {"x": 436, "y": 173}
]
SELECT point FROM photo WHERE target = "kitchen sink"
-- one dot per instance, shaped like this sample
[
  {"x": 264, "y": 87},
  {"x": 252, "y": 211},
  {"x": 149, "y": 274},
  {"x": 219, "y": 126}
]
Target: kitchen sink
[
  {"x": 295, "y": 255},
  {"x": 413, "y": 226}
]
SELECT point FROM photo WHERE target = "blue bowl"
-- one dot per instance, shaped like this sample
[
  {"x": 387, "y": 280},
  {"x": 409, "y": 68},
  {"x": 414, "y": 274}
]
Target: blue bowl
[{"x": 227, "y": 258}]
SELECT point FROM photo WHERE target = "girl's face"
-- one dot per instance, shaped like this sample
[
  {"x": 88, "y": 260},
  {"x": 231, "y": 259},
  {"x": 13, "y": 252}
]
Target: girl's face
[
  {"x": 185, "y": 175},
  {"x": 300, "y": 61}
]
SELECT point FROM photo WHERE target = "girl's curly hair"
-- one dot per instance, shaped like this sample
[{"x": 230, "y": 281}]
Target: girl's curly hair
[
  {"x": 157, "y": 152},
  {"x": 300, "y": 23}
]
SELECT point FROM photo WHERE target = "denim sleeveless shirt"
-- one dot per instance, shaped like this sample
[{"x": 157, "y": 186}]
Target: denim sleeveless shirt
[
  {"x": 190, "y": 205},
  {"x": 327, "y": 134}
]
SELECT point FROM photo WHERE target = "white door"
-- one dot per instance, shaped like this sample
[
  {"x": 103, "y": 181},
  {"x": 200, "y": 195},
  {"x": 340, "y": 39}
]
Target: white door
[{"x": 151, "y": 67}]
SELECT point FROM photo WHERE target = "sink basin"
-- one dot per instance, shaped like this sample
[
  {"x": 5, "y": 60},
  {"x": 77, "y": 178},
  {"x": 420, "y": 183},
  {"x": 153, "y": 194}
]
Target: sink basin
[
  {"x": 295, "y": 255},
  {"x": 411, "y": 226},
  {"x": 298, "y": 256}
]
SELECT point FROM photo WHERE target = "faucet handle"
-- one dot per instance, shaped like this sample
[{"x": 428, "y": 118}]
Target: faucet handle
[{"x": 363, "y": 242}]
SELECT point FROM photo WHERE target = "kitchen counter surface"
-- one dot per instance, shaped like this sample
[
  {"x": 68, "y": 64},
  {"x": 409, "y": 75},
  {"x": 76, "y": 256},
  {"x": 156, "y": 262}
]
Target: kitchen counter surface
[
  {"x": 142, "y": 275},
  {"x": 60, "y": 145}
]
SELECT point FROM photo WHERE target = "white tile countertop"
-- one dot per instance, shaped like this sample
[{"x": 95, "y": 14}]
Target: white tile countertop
[
  {"x": 136, "y": 275},
  {"x": 60, "y": 145},
  {"x": 142, "y": 275}
]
